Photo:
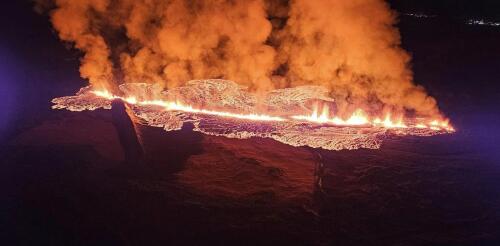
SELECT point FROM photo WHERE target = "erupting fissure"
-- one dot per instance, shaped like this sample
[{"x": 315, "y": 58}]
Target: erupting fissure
[
  {"x": 346, "y": 56},
  {"x": 351, "y": 48},
  {"x": 358, "y": 117},
  {"x": 299, "y": 116},
  {"x": 187, "y": 108}
]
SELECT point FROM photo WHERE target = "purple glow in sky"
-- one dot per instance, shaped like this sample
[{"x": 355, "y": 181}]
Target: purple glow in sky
[{"x": 9, "y": 71}]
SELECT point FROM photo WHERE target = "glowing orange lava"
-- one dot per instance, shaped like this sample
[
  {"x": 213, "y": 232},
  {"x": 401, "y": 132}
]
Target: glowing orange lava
[
  {"x": 360, "y": 118},
  {"x": 320, "y": 116},
  {"x": 187, "y": 108}
]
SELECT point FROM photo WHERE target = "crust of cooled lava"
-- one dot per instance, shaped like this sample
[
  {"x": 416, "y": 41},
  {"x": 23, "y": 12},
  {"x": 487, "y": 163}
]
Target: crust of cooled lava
[{"x": 229, "y": 96}]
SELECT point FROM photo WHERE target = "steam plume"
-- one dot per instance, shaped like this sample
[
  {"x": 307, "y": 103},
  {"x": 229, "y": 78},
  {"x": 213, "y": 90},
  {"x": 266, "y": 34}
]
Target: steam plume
[{"x": 351, "y": 47}]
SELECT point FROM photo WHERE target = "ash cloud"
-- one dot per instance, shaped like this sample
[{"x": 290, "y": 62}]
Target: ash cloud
[{"x": 350, "y": 47}]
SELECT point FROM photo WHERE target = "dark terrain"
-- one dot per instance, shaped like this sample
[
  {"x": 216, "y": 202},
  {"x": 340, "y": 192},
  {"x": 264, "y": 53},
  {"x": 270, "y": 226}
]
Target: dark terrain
[{"x": 78, "y": 179}]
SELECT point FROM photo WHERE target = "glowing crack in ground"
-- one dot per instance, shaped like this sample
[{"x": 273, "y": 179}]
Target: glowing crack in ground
[{"x": 287, "y": 119}]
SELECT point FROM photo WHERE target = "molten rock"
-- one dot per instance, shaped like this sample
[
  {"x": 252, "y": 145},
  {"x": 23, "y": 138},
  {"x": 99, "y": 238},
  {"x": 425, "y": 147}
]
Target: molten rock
[{"x": 224, "y": 108}]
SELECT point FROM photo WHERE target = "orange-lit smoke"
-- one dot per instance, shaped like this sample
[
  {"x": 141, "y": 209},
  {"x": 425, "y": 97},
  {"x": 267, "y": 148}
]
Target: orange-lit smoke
[{"x": 351, "y": 47}]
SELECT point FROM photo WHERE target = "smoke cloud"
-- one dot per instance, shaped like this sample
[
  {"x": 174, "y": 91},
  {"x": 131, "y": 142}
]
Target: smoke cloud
[{"x": 351, "y": 47}]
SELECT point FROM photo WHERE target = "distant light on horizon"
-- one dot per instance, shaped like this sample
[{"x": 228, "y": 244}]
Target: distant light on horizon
[
  {"x": 419, "y": 15},
  {"x": 475, "y": 22},
  {"x": 482, "y": 22}
]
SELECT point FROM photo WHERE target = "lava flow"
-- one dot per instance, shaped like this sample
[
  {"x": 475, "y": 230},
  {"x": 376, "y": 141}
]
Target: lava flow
[
  {"x": 280, "y": 53},
  {"x": 229, "y": 110},
  {"x": 358, "y": 117},
  {"x": 187, "y": 108}
]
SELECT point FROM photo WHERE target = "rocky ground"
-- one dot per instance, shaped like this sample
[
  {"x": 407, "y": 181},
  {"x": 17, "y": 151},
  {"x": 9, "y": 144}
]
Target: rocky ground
[{"x": 69, "y": 181}]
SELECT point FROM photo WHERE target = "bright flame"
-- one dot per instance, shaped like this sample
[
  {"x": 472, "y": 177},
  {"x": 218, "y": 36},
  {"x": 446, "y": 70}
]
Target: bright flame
[
  {"x": 104, "y": 94},
  {"x": 421, "y": 126},
  {"x": 360, "y": 118},
  {"x": 357, "y": 118},
  {"x": 388, "y": 123}
]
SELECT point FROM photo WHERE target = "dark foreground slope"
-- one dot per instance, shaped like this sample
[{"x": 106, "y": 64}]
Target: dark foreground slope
[{"x": 69, "y": 182}]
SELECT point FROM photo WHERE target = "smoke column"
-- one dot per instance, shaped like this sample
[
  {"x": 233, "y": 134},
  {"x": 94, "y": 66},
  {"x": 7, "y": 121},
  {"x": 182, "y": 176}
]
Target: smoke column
[{"x": 351, "y": 47}]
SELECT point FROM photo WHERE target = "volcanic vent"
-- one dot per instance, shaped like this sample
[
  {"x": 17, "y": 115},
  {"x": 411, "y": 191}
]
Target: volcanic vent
[{"x": 299, "y": 116}]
